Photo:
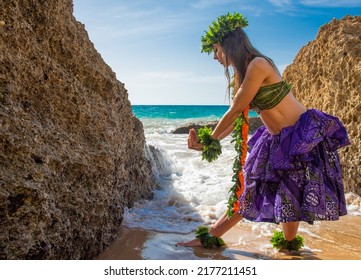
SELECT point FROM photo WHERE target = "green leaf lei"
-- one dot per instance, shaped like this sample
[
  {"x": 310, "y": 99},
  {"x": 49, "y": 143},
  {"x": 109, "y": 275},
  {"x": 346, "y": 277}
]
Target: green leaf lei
[
  {"x": 237, "y": 166},
  {"x": 279, "y": 241},
  {"x": 207, "y": 239},
  {"x": 221, "y": 27},
  {"x": 211, "y": 147}
]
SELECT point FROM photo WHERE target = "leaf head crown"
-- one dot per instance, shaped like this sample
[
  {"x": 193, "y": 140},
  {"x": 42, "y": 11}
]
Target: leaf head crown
[{"x": 220, "y": 28}]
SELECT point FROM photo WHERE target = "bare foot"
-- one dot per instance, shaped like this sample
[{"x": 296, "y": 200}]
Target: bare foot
[{"x": 192, "y": 243}]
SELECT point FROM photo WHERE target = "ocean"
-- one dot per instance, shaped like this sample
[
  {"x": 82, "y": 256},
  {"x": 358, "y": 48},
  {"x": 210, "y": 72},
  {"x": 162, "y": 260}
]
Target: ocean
[
  {"x": 182, "y": 112},
  {"x": 191, "y": 192}
]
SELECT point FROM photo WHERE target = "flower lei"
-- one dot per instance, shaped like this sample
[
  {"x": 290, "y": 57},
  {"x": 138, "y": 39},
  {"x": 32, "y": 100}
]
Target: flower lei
[
  {"x": 207, "y": 239},
  {"x": 240, "y": 136},
  {"x": 221, "y": 27}
]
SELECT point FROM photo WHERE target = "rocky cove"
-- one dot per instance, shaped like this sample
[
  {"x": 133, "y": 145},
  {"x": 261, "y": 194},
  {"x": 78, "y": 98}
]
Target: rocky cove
[{"x": 70, "y": 164}]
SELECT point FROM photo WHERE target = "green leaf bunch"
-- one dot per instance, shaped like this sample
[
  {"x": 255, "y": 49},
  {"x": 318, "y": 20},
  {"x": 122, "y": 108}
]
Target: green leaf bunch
[
  {"x": 220, "y": 28},
  {"x": 207, "y": 239},
  {"x": 211, "y": 147},
  {"x": 279, "y": 241}
]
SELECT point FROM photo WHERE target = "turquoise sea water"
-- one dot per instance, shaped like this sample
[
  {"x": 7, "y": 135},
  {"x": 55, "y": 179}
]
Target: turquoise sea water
[{"x": 181, "y": 111}]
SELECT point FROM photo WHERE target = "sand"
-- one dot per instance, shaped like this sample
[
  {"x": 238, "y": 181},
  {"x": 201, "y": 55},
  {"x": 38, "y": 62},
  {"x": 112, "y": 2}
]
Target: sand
[{"x": 334, "y": 240}]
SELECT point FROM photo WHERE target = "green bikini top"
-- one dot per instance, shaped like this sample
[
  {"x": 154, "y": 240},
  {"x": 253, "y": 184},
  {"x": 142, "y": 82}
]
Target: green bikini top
[{"x": 269, "y": 96}]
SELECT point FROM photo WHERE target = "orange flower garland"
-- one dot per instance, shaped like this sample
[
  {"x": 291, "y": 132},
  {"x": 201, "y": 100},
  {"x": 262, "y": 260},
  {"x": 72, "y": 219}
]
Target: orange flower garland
[{"x": 240, "y": 136}]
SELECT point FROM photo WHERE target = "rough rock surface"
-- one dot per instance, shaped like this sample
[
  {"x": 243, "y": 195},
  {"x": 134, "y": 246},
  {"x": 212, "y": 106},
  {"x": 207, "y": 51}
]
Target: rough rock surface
[
  {"x": 71, "y": 152},
  {"x": 326, "y": 74}
]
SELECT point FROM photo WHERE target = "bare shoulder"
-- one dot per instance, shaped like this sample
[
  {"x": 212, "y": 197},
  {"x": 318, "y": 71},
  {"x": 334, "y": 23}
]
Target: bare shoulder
[
  {"x": 262, "y": 67},
  {"x": 258, "y": 70},
  {"x": 261, "y": 63}
]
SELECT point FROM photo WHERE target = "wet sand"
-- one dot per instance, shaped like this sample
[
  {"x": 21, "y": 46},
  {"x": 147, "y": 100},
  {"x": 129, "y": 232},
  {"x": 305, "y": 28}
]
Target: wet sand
[{"x": 339, "y": 240}]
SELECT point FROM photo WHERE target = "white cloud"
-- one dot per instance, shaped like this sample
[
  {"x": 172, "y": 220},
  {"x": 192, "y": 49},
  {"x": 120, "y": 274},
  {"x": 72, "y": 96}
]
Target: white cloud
[
  {"x": 126, "y": 23},
  {"x": 280, "y": 3},
  {"x": 169, "y": 77},
  {"x": 242, "y": 6},
  {"x": 175, "y": 87},
  {"x": 331, "y": 3},
  {"x": 287, "y": 7},
  {"x": 317, "y": 3},
  {"x": 202, "y": 4},
  {"x": 127, "y": 12}
]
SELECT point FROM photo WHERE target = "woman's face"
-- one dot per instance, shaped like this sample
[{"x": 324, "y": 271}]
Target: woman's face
[{"x": 219, "y": 55}]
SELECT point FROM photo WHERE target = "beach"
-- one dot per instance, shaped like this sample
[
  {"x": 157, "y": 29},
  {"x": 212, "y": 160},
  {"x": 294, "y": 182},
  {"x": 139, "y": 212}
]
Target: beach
[
  {"x": 338, "y": 240},
  {"x": 192, "y": 192}
]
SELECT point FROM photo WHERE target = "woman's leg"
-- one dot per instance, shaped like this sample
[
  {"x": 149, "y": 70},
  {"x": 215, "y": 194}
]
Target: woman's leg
[
  {"x": 221, "y": 226},
  {"x": 290, "y": 230}
]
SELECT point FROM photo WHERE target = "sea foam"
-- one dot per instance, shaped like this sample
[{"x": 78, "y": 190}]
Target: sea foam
[{"x": 191, "y": 192}]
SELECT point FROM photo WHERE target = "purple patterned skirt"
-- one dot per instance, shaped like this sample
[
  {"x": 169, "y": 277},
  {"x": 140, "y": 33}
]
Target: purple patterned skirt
[{"x": 296, "y": 175}]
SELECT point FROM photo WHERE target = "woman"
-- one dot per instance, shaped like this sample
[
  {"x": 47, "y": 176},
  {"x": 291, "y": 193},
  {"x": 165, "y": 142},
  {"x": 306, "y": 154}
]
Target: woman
[{"x": 292, "y": 172}]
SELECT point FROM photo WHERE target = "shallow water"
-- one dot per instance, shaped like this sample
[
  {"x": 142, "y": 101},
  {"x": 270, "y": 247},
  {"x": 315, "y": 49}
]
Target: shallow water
[{"x": 339, "y": 240}]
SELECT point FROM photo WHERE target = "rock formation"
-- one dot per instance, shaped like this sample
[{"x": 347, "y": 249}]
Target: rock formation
[
  {"x": 326, "y": 74},
  {"x": 254, "y": 124},
  {"x": 71, "y": 152}
]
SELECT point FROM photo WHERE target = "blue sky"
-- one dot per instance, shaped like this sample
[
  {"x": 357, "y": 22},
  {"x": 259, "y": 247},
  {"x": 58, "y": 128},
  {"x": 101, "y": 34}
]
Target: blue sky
[{"x": 154, "y": 46}]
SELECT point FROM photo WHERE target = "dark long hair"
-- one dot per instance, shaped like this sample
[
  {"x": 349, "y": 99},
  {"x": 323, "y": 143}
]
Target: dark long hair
[{"x": 238, "y": 49}]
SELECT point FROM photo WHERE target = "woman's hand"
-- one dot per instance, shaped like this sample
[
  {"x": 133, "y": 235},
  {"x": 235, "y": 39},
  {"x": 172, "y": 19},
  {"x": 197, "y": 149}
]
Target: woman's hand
[{"x": 193, "y": 141}]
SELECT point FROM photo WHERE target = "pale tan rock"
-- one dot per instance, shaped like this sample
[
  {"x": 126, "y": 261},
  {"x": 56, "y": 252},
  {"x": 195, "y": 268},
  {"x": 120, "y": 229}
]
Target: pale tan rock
[
  {"x": 71, "y": 152},
  {"x": 326, "y": 74}
]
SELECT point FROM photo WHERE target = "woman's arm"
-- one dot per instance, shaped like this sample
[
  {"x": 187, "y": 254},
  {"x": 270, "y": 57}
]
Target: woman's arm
[
  {"x": 226, "y": 132},
  {"x": 258, "y": 70}
]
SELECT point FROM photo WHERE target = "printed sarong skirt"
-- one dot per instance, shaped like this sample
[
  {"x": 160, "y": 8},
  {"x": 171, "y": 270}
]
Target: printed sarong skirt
[{"x": 296, "y": 175}]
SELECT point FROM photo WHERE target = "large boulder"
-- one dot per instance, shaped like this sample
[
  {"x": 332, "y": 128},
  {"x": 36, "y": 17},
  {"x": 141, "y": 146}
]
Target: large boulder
[
  {"x": 72, "y": 154},
  {"x": 326, "y": 75}
]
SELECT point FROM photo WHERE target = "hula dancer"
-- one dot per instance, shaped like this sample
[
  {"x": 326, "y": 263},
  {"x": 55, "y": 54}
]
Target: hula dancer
[{"x": 292, "y": 172}]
